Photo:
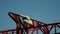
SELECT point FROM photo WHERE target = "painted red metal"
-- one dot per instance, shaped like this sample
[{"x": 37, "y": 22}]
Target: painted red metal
[{"x": 37, "y": 25}]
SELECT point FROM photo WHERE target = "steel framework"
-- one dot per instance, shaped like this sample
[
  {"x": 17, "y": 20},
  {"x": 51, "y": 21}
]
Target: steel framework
[{"x": 37, "y": 25}]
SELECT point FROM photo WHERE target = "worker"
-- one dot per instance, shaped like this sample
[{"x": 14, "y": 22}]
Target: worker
[{"x": 26, "y": 19}]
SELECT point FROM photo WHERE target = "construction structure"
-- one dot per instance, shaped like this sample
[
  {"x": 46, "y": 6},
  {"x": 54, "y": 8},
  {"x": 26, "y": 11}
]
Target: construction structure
[{"x": 37, "y": 25}]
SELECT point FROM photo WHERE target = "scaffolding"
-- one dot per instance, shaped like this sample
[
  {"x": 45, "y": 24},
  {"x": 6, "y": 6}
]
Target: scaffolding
[{"x": 37, "y": 25}]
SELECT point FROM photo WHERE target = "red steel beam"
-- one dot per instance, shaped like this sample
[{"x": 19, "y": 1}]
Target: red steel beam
[
  {"x": 37, "y": 25},
  {"x": 16, "y": 18}
]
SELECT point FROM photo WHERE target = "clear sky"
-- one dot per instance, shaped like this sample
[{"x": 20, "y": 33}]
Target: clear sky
[{"x": 46, "y": 11}]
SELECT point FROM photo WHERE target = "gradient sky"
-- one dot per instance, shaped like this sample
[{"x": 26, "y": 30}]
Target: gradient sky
[{"x": 46, "y": 11}]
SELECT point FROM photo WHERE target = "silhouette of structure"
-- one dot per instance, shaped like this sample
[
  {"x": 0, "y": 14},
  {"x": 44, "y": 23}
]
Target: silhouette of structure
[{"x": 37, "y": 25}]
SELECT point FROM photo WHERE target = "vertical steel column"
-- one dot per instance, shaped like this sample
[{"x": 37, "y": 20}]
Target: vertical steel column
[
  {"x": 37, "y": 24},
  {"x": 17, "y": 29},
  {"x": 55, "y": 28},
  {"x": 36, "y": 30}
]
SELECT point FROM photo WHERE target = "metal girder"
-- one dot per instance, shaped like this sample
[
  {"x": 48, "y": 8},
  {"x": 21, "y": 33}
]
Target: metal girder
[{"x": 37, "y": 25}]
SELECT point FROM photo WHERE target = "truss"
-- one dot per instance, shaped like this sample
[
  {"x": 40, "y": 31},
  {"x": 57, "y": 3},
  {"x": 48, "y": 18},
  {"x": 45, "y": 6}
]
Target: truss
[{"x": 21, "y": 28}]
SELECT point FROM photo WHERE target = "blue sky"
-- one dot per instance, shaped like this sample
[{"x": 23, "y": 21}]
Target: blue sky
[{"x": 46, "y": 11}]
